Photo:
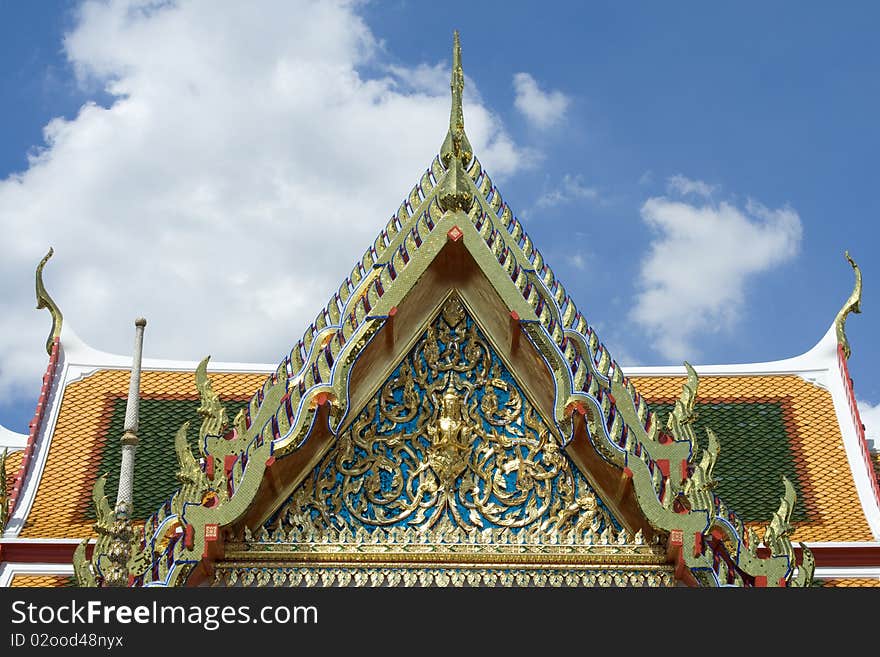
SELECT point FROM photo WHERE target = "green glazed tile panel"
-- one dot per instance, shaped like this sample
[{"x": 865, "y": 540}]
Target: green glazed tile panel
[
  {"x": 756, "y": 451},
  {"x": 156, "y": 461}
]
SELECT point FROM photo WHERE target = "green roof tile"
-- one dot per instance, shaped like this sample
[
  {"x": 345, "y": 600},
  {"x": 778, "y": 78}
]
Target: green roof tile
[
  {"x": 155, "y": 471},
  {"x": 756, "y": 450}
]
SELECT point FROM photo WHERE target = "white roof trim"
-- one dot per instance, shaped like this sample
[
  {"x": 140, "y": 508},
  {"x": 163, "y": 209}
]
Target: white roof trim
[
  {"x": 12, "y": 440},
  {"x": 87, "y": 359},
  {"x": 822, "y": 357},
  {"x": 862, "y": 477},
  {"x": 9, "y": 570},
  {"x": 843, "y": 544},
  {"x": 872, "y": 572}
]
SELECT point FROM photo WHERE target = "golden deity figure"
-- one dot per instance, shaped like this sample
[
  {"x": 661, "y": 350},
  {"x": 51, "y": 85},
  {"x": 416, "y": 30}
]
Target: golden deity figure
[{"x": 450, "y": 440}]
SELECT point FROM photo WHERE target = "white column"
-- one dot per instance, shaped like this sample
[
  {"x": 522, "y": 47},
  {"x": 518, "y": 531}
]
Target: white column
[{"x": 125, "y": 494}]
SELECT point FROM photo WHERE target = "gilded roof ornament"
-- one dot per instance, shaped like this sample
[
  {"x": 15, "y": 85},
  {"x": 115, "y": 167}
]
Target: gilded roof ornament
[
  {"x": 853, "y": 304},
  {"x": 87, "y": 569},
  {"x": 45, "y": 301},
  {"x": 117, "y": 540},
  {"x": 214, "y": 418},
  {"x": 454, "y": 191},
  {"x": 456, "y": 144}
]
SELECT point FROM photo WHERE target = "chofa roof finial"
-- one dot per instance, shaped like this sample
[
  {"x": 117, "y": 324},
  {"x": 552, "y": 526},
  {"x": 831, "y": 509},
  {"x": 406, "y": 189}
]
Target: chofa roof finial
[
  {"x": 45, "y": 301},
  {"x": 456, "y": 144},
  {"x": 853, "y": 304}
]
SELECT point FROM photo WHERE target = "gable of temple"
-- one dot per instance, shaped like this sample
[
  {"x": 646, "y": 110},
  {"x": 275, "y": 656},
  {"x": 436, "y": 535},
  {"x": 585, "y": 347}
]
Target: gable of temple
[
  {"x": 448, "y": 464},
  {"x": 449, "y": 440},
  {"x": 451, "y": 400}
]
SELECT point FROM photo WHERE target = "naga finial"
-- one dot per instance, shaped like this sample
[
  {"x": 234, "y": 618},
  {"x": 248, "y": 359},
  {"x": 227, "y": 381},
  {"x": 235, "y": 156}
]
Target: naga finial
[
  {"x": 853, "y": 304},
  {"x": 456, "y": 144},
  {"x": 45, "y": 301},
  {"x": 214, "y": 418},
  {"x": 116, "y": 556}
]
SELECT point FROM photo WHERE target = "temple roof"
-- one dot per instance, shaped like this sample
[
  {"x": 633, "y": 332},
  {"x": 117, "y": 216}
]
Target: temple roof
[
  {"x": 793, "y": 416},
  {"x": 770, "y": 417}
]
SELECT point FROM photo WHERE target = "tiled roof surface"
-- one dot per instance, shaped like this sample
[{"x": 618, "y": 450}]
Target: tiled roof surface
[
  {"x": 851, "y": 582},
  {"x": 755, "y": 451},
  {"x": 13, "y": 464},
  {"x": 42, "y": 580},
  {"x": 875, "y": 460},
  {"x": 744, "y": 406},
  {"x": 155, "y": 471},
  {"x": 88, "y": 423},
  {"x": 767, "y": 425}
]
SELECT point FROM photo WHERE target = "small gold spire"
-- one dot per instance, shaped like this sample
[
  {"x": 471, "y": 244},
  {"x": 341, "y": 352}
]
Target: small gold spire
[
  {"x": 853, "y": 304},
  {"x": 456, "y": 144},
  {"x": 45, "y": 301},
  {"x": 456, "y": 85}
]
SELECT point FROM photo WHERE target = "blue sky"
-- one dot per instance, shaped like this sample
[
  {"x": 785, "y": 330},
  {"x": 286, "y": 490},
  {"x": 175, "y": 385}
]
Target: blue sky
[{"x": 607, "y": 127}]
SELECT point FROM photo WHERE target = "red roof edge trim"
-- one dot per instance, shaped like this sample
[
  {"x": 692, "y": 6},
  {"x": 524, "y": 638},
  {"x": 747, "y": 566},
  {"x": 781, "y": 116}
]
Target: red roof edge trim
[
  {"x": 857, "y": 420},
  {"x": 35, "y": 424}
]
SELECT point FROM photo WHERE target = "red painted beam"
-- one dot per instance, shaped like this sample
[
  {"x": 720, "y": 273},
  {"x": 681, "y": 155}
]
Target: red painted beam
[
  {"x": 833, "y": 556},
  {"x": 35, "y": 552},
  {"x": 844, "y": 556}
]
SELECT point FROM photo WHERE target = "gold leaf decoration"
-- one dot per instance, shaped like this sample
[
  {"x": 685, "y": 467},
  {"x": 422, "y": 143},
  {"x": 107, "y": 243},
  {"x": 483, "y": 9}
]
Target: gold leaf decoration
[{"x": 449, "y": 444}]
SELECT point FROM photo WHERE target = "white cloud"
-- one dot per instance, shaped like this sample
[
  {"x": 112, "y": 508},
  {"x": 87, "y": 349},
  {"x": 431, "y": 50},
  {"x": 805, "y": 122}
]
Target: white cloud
[
  {"x": 870, "y": 414},
  {"x": 572, "y": 188},
  {"x": 432, "y": 79},
  {"x": 701, "y": 257},
  {"x": 683, "y": 186},
  {"x": 578, "y": 261},
  {"x": 544, "y": 109},
  {"x": 243, "y": 167}
]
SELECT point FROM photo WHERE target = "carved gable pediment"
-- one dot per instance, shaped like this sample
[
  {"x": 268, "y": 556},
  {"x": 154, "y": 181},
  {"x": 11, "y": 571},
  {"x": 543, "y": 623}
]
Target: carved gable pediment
[{"x": 449, "y": 459}]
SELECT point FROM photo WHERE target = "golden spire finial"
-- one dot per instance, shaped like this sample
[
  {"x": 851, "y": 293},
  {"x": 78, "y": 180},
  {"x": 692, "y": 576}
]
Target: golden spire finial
[
  {"x": 45, "y": 301},
  {"x": 456, "y": 144},
  {"x": 853, "y": 304},
  {"x": 456, "y": 86}
]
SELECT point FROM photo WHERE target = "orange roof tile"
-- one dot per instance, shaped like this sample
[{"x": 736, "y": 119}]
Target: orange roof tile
[
  {"x": 64, "y": 493},
  {"x": 41, "y": 580},
  {"x": 13, "y": 464},
  {"x": 851, "y": 582}
]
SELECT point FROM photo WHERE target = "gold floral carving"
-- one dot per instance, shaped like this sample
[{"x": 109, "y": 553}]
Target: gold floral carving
[{"x": 448, "y": 445}]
